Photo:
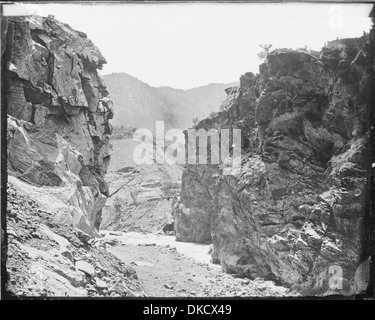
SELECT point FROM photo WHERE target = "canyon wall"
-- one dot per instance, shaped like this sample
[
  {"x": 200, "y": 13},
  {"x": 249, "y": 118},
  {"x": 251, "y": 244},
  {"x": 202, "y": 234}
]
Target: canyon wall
[
  {"x": 58, "y": 149},
  {"x": 298, "y": 211},
  {"x": 58, "y": 118}
]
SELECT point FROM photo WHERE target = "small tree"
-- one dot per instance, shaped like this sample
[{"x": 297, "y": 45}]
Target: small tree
[
  {"x": 264, "y": 53},
  {"x": 118, "y": 203}
]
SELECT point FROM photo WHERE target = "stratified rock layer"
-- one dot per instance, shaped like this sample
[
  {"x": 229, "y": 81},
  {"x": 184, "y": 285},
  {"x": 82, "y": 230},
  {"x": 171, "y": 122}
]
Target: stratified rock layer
[
  {"x": 58, "y": 111},
  {"x": 295, "y": 213},
  {"x": 141, "y": 193}
]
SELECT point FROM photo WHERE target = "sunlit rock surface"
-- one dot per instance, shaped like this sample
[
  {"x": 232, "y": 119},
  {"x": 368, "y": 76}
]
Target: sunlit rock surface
[{"x": 58, "y": 116}]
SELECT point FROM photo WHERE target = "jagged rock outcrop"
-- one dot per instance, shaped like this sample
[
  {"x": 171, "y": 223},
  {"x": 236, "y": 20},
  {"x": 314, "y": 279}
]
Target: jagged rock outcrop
[
  {"x": 58, "y": 117},
  {"x": 58, "y": 112},
  {"x": 296, "y": 212}
]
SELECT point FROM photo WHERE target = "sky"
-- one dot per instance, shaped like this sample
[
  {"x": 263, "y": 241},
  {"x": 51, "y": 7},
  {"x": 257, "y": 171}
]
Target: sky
[{"x": 186, "y": 45}]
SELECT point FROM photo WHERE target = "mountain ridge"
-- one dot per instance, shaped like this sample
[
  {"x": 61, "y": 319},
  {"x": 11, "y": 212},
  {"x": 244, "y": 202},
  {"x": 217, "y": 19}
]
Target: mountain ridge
[{"x": 137, "y": 104}]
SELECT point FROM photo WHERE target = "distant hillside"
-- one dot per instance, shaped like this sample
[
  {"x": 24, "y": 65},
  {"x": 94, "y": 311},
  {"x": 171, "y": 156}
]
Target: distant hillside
[{"x": 139, "y": 105}]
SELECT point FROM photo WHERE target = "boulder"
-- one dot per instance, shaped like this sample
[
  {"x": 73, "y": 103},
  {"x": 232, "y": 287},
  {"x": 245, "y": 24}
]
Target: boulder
[{"x": 85, "y": 267}]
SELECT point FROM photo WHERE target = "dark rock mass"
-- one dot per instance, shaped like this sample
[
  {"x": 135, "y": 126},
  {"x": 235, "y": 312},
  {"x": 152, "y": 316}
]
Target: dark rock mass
[
  {"x": 58, "y": 117},
  {"x": 297, "y": 213}
]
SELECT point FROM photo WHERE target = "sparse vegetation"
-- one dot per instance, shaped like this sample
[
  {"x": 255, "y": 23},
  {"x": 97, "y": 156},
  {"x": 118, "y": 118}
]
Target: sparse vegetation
[
  {"x": 264, "y": 53},
  {"x": 118, "y": 203}
]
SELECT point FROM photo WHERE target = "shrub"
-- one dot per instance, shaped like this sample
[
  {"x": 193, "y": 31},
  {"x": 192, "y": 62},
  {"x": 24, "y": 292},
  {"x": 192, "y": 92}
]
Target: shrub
[{"x": 118, "y": 203}]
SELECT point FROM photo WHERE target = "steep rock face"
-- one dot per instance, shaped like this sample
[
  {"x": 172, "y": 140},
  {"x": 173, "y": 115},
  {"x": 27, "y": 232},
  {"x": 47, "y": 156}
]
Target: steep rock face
[
  {"x": 58, "y": 117},
  {"x": 295, "y": 213},
  {"x": 141, "y": 193}
]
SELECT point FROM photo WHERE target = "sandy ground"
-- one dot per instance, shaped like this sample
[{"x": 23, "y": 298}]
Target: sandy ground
[{"x": 167, "y": 268}]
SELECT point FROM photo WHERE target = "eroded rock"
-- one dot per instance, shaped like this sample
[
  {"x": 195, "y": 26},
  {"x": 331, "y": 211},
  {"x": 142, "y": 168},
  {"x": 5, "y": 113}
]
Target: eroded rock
[
  {"x": 58, "y": 115},
  {"x": 296, "y": 210}
]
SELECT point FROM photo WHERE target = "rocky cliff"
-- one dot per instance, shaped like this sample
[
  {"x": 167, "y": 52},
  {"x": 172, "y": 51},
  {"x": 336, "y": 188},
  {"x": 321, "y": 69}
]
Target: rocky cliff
[
  {"x": 141, "y": 193},
  {"x": 297, "y": 212},
  {"x": 57, "y": 137},
  {"x": 58, "y": 117}
]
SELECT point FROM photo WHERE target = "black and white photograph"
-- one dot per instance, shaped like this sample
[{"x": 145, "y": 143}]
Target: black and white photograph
[{"x": 187, "y": 150}]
